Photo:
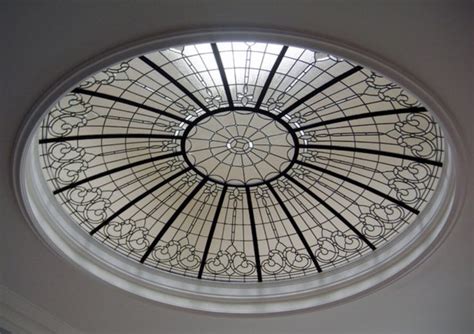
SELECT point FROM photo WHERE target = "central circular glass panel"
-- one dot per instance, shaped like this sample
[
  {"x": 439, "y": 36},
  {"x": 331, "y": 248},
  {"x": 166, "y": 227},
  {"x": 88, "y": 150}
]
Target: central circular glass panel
[{"x": 239, "y": 147}]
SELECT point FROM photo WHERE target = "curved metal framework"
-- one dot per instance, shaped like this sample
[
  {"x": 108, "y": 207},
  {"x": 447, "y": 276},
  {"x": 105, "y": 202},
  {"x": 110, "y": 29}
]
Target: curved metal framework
[{"x": 241, "y": 161}]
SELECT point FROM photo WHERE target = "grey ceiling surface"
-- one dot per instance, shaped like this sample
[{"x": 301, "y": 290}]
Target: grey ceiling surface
[{"x": 44, "y": 40}]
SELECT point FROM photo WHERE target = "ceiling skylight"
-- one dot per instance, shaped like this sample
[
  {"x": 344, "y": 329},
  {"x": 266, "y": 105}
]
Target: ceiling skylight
[{"x": 241, "y": 161}]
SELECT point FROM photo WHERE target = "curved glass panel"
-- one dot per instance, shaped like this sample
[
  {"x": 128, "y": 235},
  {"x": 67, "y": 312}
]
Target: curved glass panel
[{"x": 241, "y": 161}]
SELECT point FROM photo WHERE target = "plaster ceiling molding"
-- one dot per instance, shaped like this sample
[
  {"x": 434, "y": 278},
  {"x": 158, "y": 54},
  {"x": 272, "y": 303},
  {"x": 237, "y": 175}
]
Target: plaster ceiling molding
[
  {"x": 19, "y": 316},
  {"x": 240, "y": 175}
]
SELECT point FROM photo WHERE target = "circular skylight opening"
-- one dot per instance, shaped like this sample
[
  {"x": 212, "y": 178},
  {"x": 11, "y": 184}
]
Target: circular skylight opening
[{"x": 263, "y": 164}]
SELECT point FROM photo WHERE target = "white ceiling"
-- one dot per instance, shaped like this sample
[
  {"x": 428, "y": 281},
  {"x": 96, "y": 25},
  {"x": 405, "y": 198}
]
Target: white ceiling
[{"x": 44, "y": 40}]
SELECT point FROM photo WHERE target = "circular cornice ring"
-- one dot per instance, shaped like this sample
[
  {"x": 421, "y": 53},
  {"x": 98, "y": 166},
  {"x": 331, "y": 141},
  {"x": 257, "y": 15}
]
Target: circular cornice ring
[{"x": 342, "y": 284}]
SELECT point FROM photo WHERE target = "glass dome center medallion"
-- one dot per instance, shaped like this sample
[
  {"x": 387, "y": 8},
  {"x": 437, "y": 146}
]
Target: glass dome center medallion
[{"x": 239, "y": 148}]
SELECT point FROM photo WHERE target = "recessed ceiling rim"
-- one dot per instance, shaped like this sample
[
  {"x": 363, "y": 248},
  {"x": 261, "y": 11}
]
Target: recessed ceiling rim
[{"x": 455, "y": 150}]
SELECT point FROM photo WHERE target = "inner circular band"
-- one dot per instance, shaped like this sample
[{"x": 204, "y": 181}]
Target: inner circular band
[{"x": 240, "y": 149}]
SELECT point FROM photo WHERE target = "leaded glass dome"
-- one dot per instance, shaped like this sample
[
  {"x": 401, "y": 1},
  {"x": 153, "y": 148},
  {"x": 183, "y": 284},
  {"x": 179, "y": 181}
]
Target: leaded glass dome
[{"x": 241, "y": 161}]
